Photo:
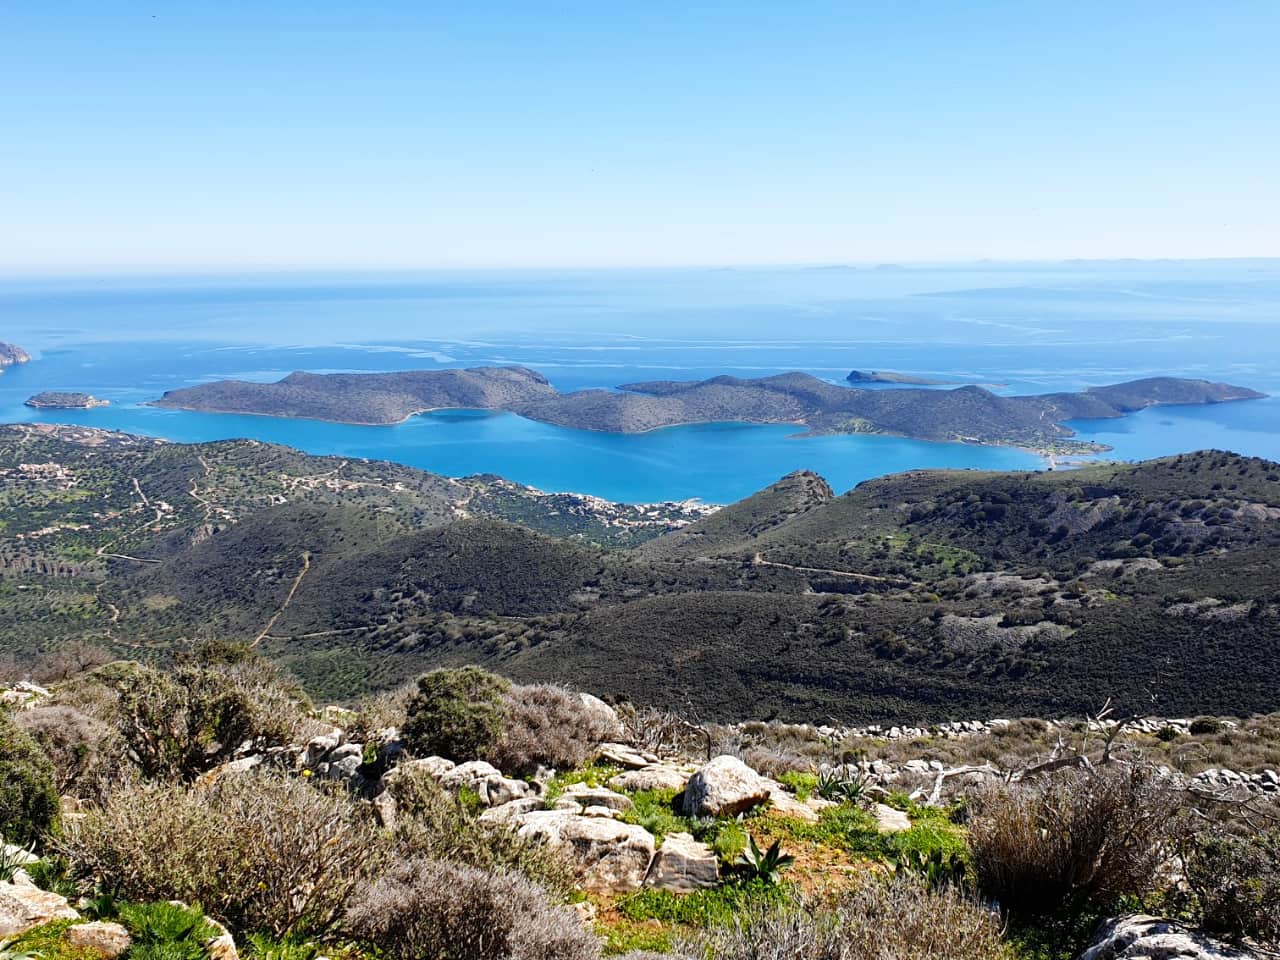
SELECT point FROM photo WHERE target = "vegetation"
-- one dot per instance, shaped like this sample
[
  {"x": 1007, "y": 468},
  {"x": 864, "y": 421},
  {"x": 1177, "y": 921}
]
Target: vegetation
[
  {"x": 456, "y": 714},
  {"x": 420, "y": 908},
  {"x": 1073, "y": 844},
  {"x": 215, "y": 845},
  {"x": 29, "y": 802}
]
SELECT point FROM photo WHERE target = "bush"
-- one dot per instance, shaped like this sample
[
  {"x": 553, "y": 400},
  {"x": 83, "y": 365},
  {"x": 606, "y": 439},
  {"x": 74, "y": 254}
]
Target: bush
[
  {"x": 257, "y": 851},
  {"x": 896, "y": 920},
  {"x": 434, "y": 824},
  {"x": 423, "y": 908},
  {"x": 1079, "y": 840},
  {"x": 544, "y": 725},
  {"x": 455, "y": 714},
  {"x": 181, "y": 724},
  {"x": 87, "y": 754},
  {"x": 29, "y": 802},
  {"x": 1236, "y": 884},
  {"x": 1205, "y": 725},
  {"x": 166, "y": 931}
]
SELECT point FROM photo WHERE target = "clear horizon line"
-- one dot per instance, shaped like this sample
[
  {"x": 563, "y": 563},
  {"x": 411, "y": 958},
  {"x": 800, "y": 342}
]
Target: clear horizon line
[{"x": 231, "y": 270}]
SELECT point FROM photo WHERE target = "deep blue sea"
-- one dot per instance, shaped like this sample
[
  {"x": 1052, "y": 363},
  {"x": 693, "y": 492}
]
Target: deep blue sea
[{"x": 1031, "y": 328}]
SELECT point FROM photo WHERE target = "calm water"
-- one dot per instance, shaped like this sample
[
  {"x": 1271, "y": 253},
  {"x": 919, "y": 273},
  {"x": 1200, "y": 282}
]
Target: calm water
[{"x": 1035, "y": 329}]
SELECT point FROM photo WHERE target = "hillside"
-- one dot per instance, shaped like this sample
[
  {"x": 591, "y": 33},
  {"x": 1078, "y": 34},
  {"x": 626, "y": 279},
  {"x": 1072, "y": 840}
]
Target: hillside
[
  {"x": 969, "y": 414},
  {"x": 926, "y": 595}
]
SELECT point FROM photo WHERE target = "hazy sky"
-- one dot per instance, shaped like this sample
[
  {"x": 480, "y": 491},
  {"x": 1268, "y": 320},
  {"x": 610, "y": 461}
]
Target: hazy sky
[{"x": 148, "y": 135}]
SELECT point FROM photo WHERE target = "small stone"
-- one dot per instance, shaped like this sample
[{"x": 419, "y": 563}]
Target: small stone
[{"x": 24, "y": 906}]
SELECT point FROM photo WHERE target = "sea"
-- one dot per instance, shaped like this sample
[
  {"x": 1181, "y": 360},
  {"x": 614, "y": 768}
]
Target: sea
[{"x": 1016, "y": 327}]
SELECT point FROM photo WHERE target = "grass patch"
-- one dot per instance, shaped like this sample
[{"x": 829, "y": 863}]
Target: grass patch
[
  {"x": 594, "y": 775},
  {"x": 627, "y": 936},
  {"x": 703, "y": 908},
  {"x": 800, "y": 783},
  {"x": 48, "y": 942}
]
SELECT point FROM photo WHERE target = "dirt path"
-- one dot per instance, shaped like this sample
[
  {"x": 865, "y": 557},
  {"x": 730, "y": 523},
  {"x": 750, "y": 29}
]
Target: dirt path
[
  {"x": 306, "y": 565},
  {"x": 760, "y": 561}
]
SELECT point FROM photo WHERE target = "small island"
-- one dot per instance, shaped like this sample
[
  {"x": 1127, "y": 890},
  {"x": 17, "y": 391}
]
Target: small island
[
  {"x": 57, "y": 400},
  {"x": 11, "y": 354},
  {"x": 891, "y": 376}
]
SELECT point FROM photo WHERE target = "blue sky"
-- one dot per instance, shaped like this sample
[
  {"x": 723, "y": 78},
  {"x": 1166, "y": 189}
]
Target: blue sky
[{"x": 283, "y": 134}]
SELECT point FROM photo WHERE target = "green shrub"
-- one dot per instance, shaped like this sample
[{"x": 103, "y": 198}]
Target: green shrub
[
  {"x": 1075, "y": 842},
  {"x": 423, "y": 908},
  {"x": 29, "y": 802},
  {"x": 549, "y": 726},
  {"x": 257, "y": 851},
  {"x": 455, "y": 714},
  {"x": 1236, "y": 884},
  {"x": 166, "y": 931},
  {"x": 1202, "y": 726}
]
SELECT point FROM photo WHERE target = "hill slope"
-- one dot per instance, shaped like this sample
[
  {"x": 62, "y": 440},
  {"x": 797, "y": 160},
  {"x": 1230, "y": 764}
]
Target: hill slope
[{"x": 922, "y": 596}]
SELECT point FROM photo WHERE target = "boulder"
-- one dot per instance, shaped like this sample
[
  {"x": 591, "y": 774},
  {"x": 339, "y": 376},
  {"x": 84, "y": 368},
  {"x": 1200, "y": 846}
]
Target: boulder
[
  {"x": 890, "y": 820},
  {"x": 605, "y": 713},
  {"x": 385, "y": 810},
  {"x": 724, "y": 787},
  {"x": 24, "y": 906},
  {"x": 629, "y": 758},
  {"x": 1140, "y": 937},
  {"x": 509, "y": 812},
  {"x": 107, "y": 940},
  {"x": 683, "y": 865},
  {"x": 589, "y": 796},
  {"x": 652, "y": 776},
  {"x": 610, "y": 857},
  {"x": 785, "y": 804},
  {"x": 433, "y": 767}
]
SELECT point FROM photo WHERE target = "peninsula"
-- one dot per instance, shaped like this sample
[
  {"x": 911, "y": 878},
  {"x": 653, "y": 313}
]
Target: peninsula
[
  {"x": 58, "y": 400},
  {"x": 11, "y": 354},
  {"x": 969, "y": 414}
]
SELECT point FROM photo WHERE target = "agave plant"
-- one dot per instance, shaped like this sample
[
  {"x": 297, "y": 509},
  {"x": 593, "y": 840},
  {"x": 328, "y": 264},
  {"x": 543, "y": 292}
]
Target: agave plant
[
  {"x": 835, "y": 785},
  {"x": 764, "y": 865}
]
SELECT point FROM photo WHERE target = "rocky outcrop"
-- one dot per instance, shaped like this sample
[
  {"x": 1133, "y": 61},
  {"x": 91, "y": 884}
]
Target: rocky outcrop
[
  {"x": 24, "y": 906},
  {"x": 11, "y": 354},
  {"x": 653, "y": 776},
  {"x": 1140, "y": 937},
  {"x": 725, "y": 787},
  {"x": 683, "y": 865},
  {"x": 610, "y": 857},
  {"x": 23, "y": 695}
]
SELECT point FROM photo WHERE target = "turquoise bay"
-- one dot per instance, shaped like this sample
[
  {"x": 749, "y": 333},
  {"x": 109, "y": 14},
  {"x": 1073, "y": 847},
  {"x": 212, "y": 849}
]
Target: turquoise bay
[{"x": 1032, "y": 328}]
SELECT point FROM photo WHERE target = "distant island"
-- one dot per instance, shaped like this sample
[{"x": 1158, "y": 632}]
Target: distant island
[
  {"x": 969, "y": 414},
  {"x": 11, "y": 354},
  {"x": 890, "y": 376},
  {"x": 57, "y": 400}
]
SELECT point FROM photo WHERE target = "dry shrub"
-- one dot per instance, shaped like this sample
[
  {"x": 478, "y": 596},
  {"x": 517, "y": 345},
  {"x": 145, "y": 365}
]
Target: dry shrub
[
  {"x": 87, "y": 754},
  {"x": 900, "y": 919},
  {"x": 260, "y": 852},
  {"x": 434, "y": 824},
  {"x": 1075, "y": 841},
  {"x": 424, "y": 908},
  {"x": 549, "y": 726}
]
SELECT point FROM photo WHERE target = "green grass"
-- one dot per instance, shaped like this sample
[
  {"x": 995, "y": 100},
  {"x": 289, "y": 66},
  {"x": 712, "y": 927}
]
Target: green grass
[
  {"x": 801, "y": 784},
  {"x": 48, "y": 942},
  {"x": 594, "y": 775},
  {"x": 627, "y": 936},
  {"x": 703, "y": 908}
]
